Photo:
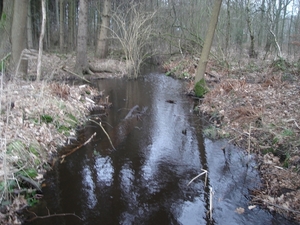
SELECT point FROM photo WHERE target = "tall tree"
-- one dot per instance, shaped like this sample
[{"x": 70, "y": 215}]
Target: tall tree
[
  {"x": 81, "y": 65},
  {"x": 102, "y": 44},
  {"x": 200, "y": 85},
  {"x": 18, "y": 35}
]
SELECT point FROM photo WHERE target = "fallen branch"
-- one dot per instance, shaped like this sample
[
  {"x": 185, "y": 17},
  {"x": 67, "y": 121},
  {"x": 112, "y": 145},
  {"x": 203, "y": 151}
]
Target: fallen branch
[
  {"x": 51, "y": 215},
  {"x": 75, "y": 149},
  {"x": 104, "y": 132},
  {"x": 75, "y": 74}
]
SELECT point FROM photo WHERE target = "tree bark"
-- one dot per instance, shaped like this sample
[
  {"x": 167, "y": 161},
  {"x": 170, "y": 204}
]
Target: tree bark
[
  {"x": 102, "y": 44},
  {"x": 81, "y": 65},
  {"x": 200, "y": 85},
  {"x": 18, "y": 35},
  {"x": 41, "y": 41}
]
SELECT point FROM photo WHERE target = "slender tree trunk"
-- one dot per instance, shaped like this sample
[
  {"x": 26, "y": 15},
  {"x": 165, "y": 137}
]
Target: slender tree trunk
[
  {"x": 57, "y": 14},
  {"x": 227, "y": 38},
  {"x": 252, "y": 53},
  {"x": 261, "y": 31},
  {"x": 48, "y": 27},
  {"x": 290, "y": 29},
  {"x": 200, "y": 85},
  {"x": 18, "y": 35},
  {"x": 29, "y": 27},
  {"x": 102, "y": 43},
  {"x": 61, "y": 26},
  {"x": 81, "y": 65},
  {"x": 71, "y": 24},
  {"x": 41, "y": 40},
  {"x": 5, "y": 29}
]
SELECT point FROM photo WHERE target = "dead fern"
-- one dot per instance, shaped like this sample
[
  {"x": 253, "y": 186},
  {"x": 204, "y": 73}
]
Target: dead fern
[{"x": 60, "y": 90}]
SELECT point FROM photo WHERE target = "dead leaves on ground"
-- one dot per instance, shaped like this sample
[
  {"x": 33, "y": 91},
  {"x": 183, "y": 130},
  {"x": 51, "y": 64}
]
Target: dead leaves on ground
[{"x": 266, "y": 114}]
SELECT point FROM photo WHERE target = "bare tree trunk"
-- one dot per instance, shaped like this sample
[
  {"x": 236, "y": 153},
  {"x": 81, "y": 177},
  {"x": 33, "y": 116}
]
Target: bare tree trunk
[
  {"x": 57, "y": 14},
  {"x": 81, "y": 65},
  {"x": 61, "y": 26},
  {"x": 48, "y": 28},
  {"x": 227, "y": 38},
  {"x": 41, "y": 41},
  {"x": 18, "y": 35},
  {"x": 261, "y": 31},
  {"x": 102, "y": 43},
  {"x": 252, "y": 53},
  {"x": 200, "y": 85},
  {"x": 5, "y": 29},
  {"x": 29, "y": 27},
  {"x": 71, "y": 24}
]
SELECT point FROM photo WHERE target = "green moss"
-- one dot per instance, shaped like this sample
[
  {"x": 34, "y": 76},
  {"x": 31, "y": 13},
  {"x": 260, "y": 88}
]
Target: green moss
[{"x": 201, "y": 88}]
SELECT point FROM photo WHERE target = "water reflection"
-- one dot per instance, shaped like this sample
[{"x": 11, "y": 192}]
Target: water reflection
[
  {"x": 88, "y": 188},
  {"x": 145, "y": 180}
]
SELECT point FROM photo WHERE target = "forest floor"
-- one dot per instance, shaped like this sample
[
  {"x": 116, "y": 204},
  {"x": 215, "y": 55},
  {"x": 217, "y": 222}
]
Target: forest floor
[{"x": 255, "y": 104}]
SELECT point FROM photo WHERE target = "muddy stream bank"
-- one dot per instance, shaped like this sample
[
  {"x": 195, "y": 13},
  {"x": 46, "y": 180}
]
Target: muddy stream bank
[{"x": 144, "y": 180}]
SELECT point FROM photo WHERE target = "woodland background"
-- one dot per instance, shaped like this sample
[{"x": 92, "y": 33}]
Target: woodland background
[{"x": 157, "y": 29}]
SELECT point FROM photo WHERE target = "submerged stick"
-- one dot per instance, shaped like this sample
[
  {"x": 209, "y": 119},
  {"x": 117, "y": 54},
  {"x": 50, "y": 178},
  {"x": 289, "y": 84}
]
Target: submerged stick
[
  {"x": 204, "y": 172},
  {"x": 129, "y": 114}
]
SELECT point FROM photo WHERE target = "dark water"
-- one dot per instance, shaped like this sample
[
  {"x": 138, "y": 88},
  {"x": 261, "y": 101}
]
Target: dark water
[{"x": 144, "y": 181}]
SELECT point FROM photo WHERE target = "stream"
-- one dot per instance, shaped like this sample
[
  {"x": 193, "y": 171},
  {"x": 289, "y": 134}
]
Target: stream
[{"x": 144, "y": 180}]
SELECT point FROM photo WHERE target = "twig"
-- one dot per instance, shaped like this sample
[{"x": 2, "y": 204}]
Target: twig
[
  {"x": 211, "y": 193},
  {"x": 104, "y": 132},
  {"x": 75, "y": 149},
  {"x": 69, "y": 71},
  {"x": 51, "y": 215},
  {"x": 297, "y": 124},
  {"x": 249, "y": 139}
]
